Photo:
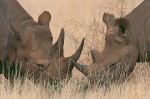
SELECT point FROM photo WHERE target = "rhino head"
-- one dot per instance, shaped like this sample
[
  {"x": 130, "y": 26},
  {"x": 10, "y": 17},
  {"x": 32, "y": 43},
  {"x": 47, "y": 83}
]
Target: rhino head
[
  {"x": 119, "y": 56},
  {"x": 37, "y": 55}
]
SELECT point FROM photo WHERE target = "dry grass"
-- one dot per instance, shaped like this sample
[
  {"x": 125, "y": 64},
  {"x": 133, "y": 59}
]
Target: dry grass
[
  {"x": 90, "y": 26},
  {"x": 136, "y": 87}
]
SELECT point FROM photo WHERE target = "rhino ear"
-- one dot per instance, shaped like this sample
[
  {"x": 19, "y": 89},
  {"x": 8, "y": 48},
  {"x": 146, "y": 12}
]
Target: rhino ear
[
  {"x": 123, "y": 25},
  {"x": 16, "y": 29},
  {"x": 22, "y": 34},
  {"x": 44, "y": 18},
  {"x": 109, "y": 20}
]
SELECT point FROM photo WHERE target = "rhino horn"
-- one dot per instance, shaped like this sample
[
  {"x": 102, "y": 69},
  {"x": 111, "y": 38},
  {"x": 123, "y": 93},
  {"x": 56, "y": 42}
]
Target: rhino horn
[
  {"x": 74, "y": 57},
  {"x": 82, "y": 68},
  {"x": 77, "y": 54},
  {"x": 94, "y": 55},
  {"x": 58, "y": 46}
]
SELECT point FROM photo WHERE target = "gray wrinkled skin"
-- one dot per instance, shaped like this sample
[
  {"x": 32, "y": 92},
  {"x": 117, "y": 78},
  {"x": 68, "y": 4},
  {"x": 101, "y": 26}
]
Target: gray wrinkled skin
[
  {"x": 127, "y": 42},
  {"x": 30, "y": 44}
]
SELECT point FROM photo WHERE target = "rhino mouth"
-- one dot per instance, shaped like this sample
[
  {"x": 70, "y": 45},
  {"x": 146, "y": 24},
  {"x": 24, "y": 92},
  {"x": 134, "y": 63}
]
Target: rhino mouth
[{"x": 114, "y": 66}]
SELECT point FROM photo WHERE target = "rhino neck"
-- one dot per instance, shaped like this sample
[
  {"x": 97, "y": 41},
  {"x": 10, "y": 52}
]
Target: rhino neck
[
  {"x": 139, "y": 19},
  {"x": 16, "y": 13}
]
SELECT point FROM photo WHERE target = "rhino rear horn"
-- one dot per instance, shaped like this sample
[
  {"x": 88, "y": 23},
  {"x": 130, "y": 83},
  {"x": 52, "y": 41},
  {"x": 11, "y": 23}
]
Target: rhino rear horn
[
  {"x": 58, "y": 46},
  {"x": 96, "y": 56}
]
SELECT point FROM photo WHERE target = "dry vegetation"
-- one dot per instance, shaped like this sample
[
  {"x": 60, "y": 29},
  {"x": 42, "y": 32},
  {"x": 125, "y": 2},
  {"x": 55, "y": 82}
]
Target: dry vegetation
[{"x": 93, "y": 29}]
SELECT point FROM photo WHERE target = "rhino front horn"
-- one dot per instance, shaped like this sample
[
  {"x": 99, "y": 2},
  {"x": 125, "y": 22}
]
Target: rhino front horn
[
  {"x": 74, "y": 57},
  {"x": 77, "y": 54},
  {"x": 82, "y": 68}
]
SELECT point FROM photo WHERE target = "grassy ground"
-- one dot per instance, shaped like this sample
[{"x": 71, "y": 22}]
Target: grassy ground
[
  {"x": 92, "y": 28},
  {"x": 135, "y": 87}
]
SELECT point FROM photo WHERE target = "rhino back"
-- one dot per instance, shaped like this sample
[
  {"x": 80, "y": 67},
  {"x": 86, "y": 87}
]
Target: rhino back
[{"x": 16, "y": 13}]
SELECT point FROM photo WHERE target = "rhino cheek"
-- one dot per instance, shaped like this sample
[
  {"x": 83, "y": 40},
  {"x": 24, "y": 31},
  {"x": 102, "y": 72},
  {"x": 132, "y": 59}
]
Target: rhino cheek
[
  {"x": 129, "y": 63},
  {"x": 124, "y": 69},
  {"x": 110, "y": 60}
]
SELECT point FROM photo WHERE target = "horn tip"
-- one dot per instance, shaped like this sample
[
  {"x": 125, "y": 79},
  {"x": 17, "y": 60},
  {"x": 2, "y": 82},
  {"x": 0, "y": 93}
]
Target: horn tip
[
  {"x": 83, "y": 40},
  {"x": 82, "y": 43},
  {"x": 93, "y": 50},
  {"x": 62, "y": 30}
]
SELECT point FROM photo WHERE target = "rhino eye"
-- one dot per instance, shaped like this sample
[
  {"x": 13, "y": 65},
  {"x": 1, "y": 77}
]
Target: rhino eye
[
  {"x": 122, "y": 29},
  {"x": 40, "y": 65}
]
